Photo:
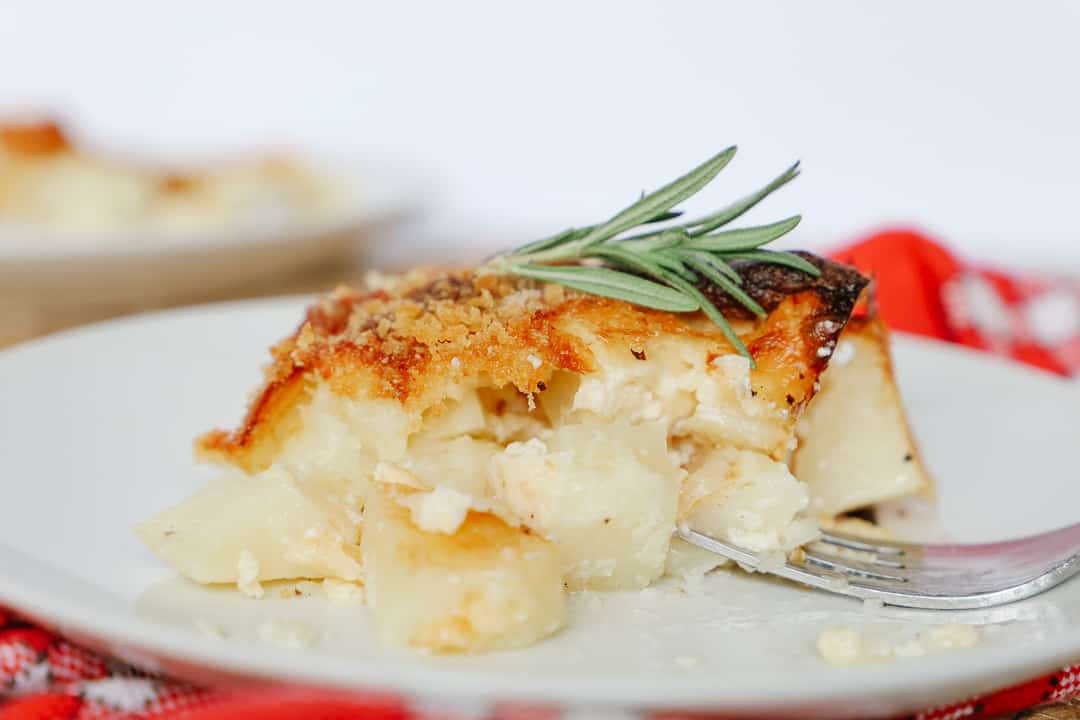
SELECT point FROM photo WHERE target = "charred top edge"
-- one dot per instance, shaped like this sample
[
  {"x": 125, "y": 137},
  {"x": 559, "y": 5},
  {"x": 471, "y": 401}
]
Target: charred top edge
[{"x": 839, "y": 285}]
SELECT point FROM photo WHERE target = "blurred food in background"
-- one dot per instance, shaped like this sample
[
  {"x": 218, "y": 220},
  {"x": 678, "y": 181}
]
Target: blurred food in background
[
  {"x": 48, "y": 181},
  {"x": 88, "y": 234}
]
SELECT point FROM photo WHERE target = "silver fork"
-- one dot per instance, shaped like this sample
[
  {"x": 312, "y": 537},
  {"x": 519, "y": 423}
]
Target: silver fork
[{"x": 940, "y": 577}]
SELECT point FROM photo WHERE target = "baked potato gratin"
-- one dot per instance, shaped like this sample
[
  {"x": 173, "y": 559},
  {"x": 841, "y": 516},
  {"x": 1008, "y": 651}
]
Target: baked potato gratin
[
  {"x": 47, "y": 181},
  {"x": 471, "y": 447}
]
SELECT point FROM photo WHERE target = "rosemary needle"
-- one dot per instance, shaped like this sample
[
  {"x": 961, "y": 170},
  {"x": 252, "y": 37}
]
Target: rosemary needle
[{"x": 659, "y": 264}]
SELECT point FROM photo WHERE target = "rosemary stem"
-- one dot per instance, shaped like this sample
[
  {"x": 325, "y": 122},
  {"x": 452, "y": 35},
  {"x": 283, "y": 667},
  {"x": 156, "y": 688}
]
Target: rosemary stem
[{"x": 562, "y": 253}]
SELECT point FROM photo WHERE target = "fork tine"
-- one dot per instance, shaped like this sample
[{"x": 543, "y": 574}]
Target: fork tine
[
  {"x": 851, "y": 543},
  {"x": 847, "y": 566},
  {"x": 873, "y": 561},
  {"x": 976, "y": 576}
]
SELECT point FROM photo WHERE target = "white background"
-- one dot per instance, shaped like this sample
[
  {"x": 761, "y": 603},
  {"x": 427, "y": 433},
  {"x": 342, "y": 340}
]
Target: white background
[{"x": 962, "y": 118}]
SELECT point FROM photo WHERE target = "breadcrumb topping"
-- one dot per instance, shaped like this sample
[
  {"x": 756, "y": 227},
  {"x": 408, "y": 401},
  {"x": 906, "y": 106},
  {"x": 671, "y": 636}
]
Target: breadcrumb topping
[{"x": 409, "y": 338}]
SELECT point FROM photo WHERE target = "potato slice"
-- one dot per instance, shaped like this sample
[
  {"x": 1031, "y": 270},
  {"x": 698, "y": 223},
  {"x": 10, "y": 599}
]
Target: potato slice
[
  {"x": 280, "y": 528},
  {"x": 855, "y": 447},
  {"x": 748, "y": 499},
  {"x": 606, "y": 493},
  {"x": 488, "y": 586}
]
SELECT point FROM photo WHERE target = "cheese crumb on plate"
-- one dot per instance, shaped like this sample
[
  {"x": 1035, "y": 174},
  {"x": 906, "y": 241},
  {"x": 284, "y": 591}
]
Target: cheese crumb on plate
[{"x": 846, "y": 646}]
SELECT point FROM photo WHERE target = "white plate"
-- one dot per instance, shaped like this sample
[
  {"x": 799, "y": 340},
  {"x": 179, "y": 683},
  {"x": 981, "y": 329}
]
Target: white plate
[
  {"x": 95, "y": 434},
  {"x": 51, "y": 268}
]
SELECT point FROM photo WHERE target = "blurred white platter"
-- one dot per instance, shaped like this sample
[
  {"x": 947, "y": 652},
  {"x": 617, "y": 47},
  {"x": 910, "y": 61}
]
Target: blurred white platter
[
  {"x": 52, "y": 268},
  {"x": 95, "y": 434}
]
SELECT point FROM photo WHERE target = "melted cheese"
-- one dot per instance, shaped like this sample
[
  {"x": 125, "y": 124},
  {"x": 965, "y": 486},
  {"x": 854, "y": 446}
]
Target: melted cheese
[{"x": 675, "y": 384}]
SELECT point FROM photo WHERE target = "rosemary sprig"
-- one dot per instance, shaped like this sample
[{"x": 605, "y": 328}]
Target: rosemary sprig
[{"x": 659, "y": 266}]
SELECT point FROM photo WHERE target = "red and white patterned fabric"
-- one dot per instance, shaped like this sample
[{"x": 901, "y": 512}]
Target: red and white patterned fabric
[{"x": 921, "y": 288}]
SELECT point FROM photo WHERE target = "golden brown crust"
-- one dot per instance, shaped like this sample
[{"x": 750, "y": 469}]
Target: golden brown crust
[
  {"x": 408, "y": 341},
  {"x": 33, "y": 139},
  {"x": 273, "y": 416}
]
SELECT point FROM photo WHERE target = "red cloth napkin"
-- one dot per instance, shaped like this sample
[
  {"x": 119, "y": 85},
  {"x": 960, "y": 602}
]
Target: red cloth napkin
[{"x": 921, "y": 288}]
